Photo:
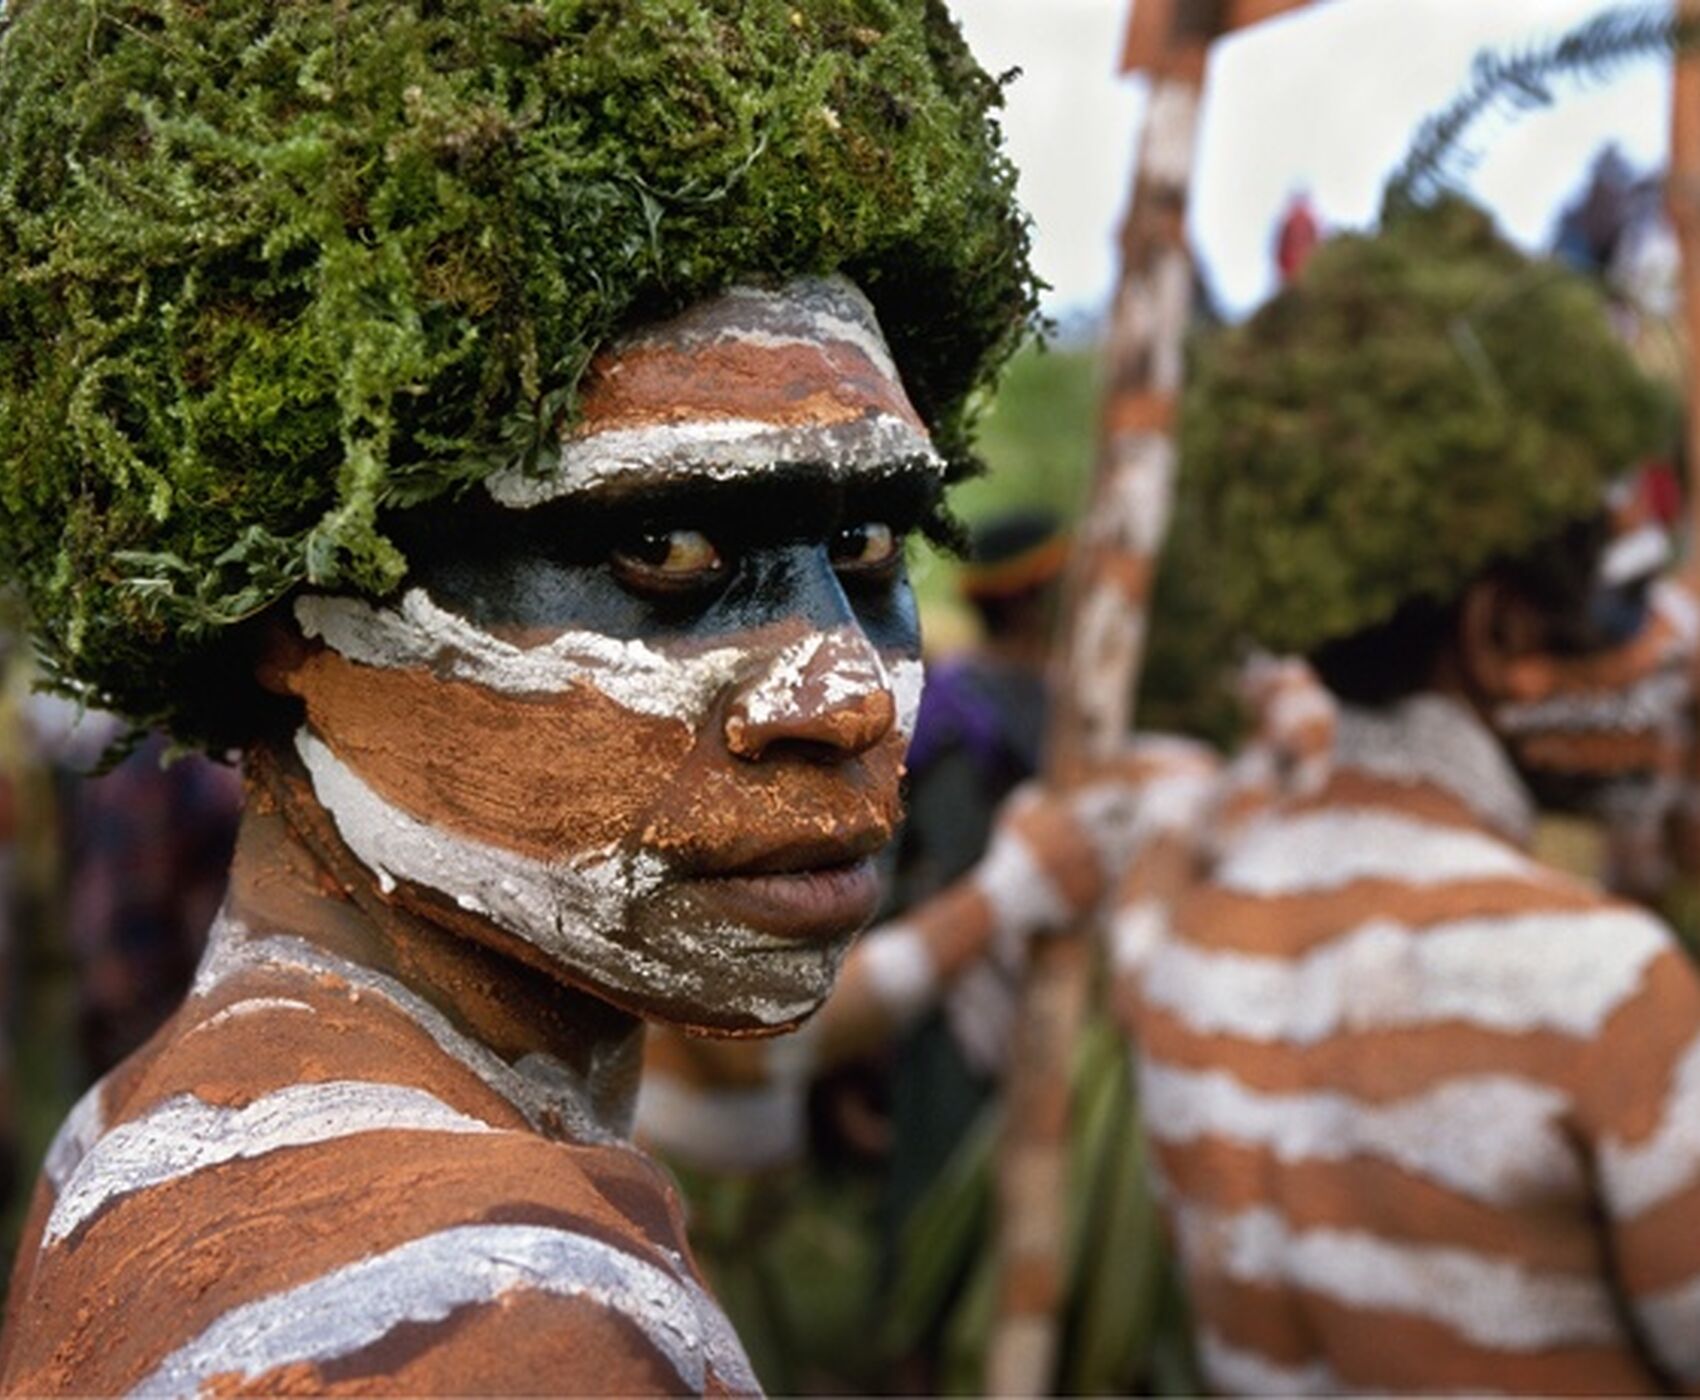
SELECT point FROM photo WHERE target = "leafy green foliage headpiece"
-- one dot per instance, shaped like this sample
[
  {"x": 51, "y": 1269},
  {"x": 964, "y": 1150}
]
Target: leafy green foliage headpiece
[
  {"x": 1418, "y": 404},
  {"x": 271, "y": 267}
]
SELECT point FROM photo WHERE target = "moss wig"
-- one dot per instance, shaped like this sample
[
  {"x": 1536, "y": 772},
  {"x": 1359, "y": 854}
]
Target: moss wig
[
  {"x": 1419, "y": 404},
  {"x": 269, "y": 268}
]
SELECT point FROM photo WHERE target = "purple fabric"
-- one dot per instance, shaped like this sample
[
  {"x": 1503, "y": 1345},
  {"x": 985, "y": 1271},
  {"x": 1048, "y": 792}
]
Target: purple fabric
[{"x": 956, "y": 708}]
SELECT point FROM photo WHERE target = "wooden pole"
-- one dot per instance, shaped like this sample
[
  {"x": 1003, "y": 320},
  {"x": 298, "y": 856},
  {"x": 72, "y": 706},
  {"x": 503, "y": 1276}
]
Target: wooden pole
[
  {"x": 1682, "y": 194},
  {"x": 1095, "y": 671}
]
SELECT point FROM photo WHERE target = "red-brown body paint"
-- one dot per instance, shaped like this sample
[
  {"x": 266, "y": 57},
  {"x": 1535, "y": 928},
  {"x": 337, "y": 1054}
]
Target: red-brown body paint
[{"x": 382, "y": 1148}]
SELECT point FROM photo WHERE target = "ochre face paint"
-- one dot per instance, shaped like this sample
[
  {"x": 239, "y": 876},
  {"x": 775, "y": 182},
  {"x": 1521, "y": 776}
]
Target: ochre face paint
[
  {"x": 1620, "y": 714},
  {"x": 668, "y": 796},
  {"x": 736, "y": 384}
]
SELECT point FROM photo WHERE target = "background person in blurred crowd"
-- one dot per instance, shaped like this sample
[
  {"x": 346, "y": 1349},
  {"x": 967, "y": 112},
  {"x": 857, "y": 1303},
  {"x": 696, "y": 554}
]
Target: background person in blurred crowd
[
  {"x": 1423, "y": 1110},
  {"x": 977, "y": 737},
  {"x": 144, "y": 854}
]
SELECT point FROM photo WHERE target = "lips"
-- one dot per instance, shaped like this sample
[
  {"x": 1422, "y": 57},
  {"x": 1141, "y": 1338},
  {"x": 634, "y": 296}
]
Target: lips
[
  {"x": 809, "y": 889},
  {"x": 805, "y": 905}
]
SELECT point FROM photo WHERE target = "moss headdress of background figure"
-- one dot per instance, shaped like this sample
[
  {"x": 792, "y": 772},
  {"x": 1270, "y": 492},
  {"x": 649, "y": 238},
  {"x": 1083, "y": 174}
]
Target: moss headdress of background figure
[
  {"x": 272, "y": 269},
  {"x": 1422, "y": 402}
]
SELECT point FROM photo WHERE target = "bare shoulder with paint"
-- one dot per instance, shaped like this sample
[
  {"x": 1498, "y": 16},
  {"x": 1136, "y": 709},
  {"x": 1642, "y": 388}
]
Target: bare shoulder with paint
[{"x": 313, "y": 1178}]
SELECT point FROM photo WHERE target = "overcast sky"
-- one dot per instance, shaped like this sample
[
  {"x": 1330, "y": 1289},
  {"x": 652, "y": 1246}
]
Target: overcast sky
[{"x": 1325, "y": 100}]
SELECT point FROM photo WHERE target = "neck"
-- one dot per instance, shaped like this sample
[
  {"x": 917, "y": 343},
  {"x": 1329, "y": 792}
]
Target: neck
[
  {"x": 1436, "y": 739},
  {"x": 293, "y": 875}
]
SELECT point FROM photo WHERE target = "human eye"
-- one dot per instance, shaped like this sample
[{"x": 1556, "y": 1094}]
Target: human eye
[
  {"x": 869, "y": 550},
  {"x": 668, "y": 561}
]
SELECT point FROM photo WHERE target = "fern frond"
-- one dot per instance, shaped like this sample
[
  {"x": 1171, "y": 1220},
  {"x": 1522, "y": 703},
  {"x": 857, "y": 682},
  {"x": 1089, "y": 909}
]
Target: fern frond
[{"x": 1525, "y": 80}]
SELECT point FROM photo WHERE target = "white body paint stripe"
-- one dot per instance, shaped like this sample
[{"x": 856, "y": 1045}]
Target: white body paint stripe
[
  {"x": 183, "y": 1135},
  {"x": 900, "y": 971},
  {"x": 1672, "y": 1321},
  {"x": 1637, "y": 1177},
  {"x": 738, "y": 1130},
  {"x": 429, "y": 1279},
  {"x": 567, "y": 909},
  {"x": 1489, "y": 1302},
  {"x": 77, "y": 1134},
  {"x": 231, "y": 950},
  {"x": 1432, "y": 740},
  {"x": 1234, "y": 1371},
  {"x": 1137, "y": 931},
  {"x": 1313, "y": 852},
  {"x": 1021, "y": 897},
  {"x": 1493, "y": 1138},
  {"x": 1541, "y": 971}
]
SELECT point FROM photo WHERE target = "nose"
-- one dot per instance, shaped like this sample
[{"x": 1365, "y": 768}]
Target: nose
[{"x": 827, "y": 696}]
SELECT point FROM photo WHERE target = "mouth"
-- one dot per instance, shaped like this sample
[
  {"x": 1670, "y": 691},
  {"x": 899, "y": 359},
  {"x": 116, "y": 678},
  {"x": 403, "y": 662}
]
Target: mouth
[{"x": 810, "y": 890}]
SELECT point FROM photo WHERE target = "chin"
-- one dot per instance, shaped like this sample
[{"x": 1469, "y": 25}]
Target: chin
[{"x": 719, "y": 977}]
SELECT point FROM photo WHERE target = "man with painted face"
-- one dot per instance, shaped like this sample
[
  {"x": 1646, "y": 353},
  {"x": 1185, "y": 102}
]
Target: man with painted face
[
  {"x": 1425, "y": 1113},
  {"x": 503, "y": 422}
]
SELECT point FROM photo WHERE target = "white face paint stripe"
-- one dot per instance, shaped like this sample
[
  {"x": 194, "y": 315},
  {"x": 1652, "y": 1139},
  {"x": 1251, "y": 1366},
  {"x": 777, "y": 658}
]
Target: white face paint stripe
[
  {"x": 1678, "y": 608},
  {"x": 183, "y": 1135},
  {"x": 719, "y": 1129},
  {"x": 908, "y": 680},
  {"x": 1234, "y": 1371},
  {"x": 566, "y": 908},
  {"x": 810, "y": 312},
  {"x": 1548, "y": 970},
  {"x": 428, "y": 1279},
  {"x": 1652, "y": 703},
  {"x": 231, "y": 950},
  {"x": 841, "y": 662},
  {"x": 1637, "y": 1177},
  {"x": 717, "y": 450},
  {"x": 419, "y": 634},
  {"x": 1643, "y": 551},
  {"x": 1313, "y": 852},
  {"x": 1493, "y": 1138},
  {"x": 250, "y": 1006},
  {"x": 77, "y": 1134},
  {"x": 814, "y": 314},
  {"x": 1487, "y": 1301}
]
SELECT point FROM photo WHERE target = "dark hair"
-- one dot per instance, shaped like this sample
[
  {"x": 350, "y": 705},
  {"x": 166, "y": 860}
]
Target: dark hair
[{"x": 1383, "y": 664}]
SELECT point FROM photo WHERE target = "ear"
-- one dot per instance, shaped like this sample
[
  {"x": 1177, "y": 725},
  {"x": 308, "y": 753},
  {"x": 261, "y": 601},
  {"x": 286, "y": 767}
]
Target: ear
[
  {"x": 1502, "y": 644},
  {"x": 282, "y": 653}
]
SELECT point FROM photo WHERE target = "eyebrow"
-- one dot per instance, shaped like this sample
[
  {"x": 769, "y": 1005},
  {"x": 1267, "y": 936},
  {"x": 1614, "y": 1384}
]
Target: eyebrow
[
  {"x": 798, "y": 498},
  {"x": 788, "y": 501}
]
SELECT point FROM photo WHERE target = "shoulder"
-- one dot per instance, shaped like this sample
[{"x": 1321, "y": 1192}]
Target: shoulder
[
  {"x": 361, "y": 1230},
  {"x": 352, "y": 1202}
]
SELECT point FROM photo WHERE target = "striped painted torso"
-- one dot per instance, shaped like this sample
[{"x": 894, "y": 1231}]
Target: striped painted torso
[
  {"x": 1425, "y": 1114},
  {"x": 313, "y": 1181}
]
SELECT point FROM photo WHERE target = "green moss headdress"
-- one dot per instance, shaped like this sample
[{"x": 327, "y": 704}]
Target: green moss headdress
[
  {"x": 1418, "y": 404},
  {"x": 268, "y": 267}
]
